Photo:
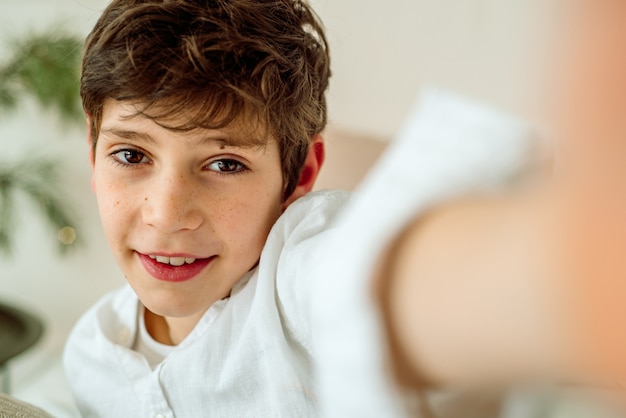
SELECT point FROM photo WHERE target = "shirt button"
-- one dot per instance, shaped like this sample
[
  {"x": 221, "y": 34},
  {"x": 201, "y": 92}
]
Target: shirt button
[{"x": 159, "y": 416}]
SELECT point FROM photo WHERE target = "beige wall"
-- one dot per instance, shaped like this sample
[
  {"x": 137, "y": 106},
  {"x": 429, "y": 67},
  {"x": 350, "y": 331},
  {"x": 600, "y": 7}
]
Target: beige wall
[{"x": 384, "y": 51}]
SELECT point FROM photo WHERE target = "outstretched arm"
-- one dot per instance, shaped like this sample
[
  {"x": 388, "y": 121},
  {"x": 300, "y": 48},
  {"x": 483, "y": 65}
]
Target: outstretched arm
[
  {"x": 507, "y": 290},
  {"x": 467, "y": 296}
]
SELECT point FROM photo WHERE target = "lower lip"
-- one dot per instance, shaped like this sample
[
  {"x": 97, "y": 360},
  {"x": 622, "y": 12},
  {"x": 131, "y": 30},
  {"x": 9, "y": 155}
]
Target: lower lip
[{"x": 168, "y": 273}]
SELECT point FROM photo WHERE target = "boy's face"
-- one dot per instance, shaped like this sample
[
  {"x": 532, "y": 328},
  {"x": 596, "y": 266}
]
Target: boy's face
[{"x": 186, "y": 214}]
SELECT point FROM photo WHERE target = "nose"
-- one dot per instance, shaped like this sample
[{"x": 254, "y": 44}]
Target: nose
[{"x": 170, "y": 203}]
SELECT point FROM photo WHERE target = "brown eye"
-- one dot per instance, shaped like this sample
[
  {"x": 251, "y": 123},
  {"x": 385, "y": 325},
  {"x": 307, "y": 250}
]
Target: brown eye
[
  {"x": 226, "y": 166},
  {"x": 130, "y": 157}
]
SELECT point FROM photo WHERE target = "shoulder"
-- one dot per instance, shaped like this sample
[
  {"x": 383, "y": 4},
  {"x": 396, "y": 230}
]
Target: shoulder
[
  {"x": 310, "y": 215},
  {"x": 111, "y": 319},
  {"x": 292, "y": 251},
  {"x": 305, "y": 226},
  {"x": 320, "y": 205}
]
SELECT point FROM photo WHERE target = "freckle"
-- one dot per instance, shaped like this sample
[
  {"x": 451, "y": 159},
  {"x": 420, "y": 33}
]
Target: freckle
[{"x": 145, "y": 199}]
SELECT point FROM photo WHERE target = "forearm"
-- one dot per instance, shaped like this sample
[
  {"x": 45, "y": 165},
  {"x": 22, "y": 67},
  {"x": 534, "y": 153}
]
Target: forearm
[{"x": 468, "y": 297}]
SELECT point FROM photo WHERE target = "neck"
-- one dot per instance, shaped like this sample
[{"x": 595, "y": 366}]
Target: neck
[{"x": 169, "y": 330}]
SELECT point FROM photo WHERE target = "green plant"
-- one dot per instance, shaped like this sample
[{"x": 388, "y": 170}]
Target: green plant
[{"x": 45, "y": 67}]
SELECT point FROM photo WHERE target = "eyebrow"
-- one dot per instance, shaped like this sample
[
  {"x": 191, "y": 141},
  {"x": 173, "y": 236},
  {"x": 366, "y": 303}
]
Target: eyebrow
[
  {"x": 124, "y": 134},
  {"x": 223, "y": 141}
]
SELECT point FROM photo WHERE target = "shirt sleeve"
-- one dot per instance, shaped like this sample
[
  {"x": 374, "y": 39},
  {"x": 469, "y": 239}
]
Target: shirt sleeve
[
  {"x": 290, "y": 255},
  {"x": 450, "y": 147}
]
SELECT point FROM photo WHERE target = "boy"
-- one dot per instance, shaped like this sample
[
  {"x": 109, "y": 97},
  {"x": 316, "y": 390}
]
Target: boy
[{"x": 204, "y": 118}]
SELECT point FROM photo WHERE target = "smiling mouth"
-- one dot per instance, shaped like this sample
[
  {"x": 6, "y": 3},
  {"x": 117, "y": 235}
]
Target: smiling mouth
[
  {"x": 173, "y": 269},
  {"x": 173, "y": 261}
]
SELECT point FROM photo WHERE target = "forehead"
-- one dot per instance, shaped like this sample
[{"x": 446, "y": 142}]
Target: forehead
[{"x": 127, "y": 118}]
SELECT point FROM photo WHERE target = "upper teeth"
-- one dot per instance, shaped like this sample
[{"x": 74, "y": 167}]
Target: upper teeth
[{"x": 174, "y": 261}]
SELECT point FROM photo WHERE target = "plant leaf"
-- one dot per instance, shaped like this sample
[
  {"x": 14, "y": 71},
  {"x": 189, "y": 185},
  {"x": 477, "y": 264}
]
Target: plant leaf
[
  {"x": 38, "y": 180},
  {"x": 47, "y": 67}
]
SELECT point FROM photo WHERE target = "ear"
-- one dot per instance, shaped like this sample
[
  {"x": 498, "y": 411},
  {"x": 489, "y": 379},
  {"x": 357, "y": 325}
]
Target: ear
[
  {"x": 312, "y": 167},
  {"x": 92, "y": 161}
]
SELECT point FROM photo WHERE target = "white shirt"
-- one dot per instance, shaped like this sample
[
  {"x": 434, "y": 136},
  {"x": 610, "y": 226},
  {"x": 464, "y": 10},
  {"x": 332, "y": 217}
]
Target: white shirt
[{"x": 249, "y": 356}]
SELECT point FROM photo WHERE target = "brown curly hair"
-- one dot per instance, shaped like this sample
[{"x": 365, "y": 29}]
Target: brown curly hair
[{"x": 208, "y": 63}]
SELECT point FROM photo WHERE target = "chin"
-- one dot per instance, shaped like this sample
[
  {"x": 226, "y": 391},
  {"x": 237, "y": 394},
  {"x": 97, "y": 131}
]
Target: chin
[
  {"x": 172, "y": 303},
  {"x": 170, "y": 310}
]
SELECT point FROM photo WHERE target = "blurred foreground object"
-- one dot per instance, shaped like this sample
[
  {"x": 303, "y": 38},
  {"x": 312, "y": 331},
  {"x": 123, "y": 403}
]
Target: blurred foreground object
[
  {"x": 507, "y": 286},
  {"x": 450, "y": 147},
  {"x": 586, "y": 89},
  {"x": 10, "y": 407},
  {"x": 45, "y": 67}
]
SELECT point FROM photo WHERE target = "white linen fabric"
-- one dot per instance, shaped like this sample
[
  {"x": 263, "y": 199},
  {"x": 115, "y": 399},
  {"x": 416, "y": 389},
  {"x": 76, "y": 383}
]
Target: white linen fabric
[
  {"x": 450, "y": 147},
  {"x": 249, "y": 356}
]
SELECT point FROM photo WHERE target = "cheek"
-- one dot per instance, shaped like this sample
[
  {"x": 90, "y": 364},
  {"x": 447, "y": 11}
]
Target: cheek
[
  {"x": 115, "y": 212},
  {"x": 245, "y": 220}
]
